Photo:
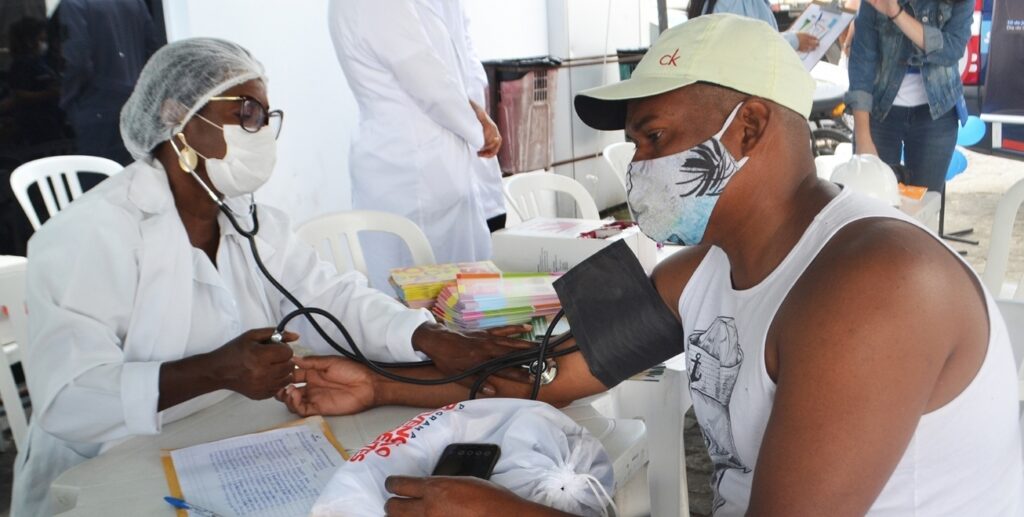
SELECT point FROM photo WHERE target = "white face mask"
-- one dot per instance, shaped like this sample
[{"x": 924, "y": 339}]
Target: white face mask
[
  {"x": 248, "y": 162},
  {"x": 671, "y": 198}
]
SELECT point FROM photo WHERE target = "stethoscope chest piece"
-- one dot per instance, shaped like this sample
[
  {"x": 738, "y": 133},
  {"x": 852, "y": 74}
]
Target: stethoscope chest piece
[{"x": 548, "y": 371}]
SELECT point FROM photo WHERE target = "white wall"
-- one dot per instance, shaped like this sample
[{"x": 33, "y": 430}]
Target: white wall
[
  {"x": 586, "y": 28},
  {"x": 505, "y": 30},
  {"x": 292, "y": 41}
]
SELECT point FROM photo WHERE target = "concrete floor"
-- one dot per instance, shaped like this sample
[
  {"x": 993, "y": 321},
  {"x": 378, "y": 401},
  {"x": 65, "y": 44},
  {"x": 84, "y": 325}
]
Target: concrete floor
[{"x": 971, "y": 202}]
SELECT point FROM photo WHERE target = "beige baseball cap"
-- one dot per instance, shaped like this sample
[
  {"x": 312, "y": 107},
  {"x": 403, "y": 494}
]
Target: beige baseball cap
[{"x": 741, "y": 53}]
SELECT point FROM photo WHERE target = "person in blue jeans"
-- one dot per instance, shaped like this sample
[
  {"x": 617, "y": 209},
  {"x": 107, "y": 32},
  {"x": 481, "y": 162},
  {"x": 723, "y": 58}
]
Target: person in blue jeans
[{"x": 905, "y": 83}]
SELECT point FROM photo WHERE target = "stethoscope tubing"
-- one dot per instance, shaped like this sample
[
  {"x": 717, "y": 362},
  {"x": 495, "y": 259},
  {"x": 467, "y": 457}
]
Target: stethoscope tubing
[{"x": 536, "y": 360}]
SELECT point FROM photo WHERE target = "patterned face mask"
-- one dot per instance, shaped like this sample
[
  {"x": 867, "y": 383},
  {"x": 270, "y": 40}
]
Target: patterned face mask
[{"x": 671, "y": 198}]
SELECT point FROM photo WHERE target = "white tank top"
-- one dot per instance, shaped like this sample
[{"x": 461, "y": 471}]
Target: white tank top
[{"x": 964, "y": 458}]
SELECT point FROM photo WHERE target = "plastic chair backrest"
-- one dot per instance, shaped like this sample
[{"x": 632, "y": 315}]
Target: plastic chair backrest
[
  {"x": 511, "y": 214},
  {"x": 12, "y": 301},
  {"x": 1013, "y": 314},
  {"x": 51, "y": 174},
  {"x": 618, "y": 156},
  {"x": 525, "y": 189},
  {"x": 325, "y": 234},
  {"x": 999, "y": 248}
]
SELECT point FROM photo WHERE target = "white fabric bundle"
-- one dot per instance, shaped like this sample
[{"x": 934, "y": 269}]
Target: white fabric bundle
[{"x": 545, "y": 457}]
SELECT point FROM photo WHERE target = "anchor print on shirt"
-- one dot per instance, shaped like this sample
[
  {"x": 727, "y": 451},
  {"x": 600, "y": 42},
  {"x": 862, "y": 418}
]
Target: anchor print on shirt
[{"x": 713, "y": 358}]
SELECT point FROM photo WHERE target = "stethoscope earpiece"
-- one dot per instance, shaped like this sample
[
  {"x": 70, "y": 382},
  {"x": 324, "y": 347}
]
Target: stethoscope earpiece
[{"x": 188, "y": 160}]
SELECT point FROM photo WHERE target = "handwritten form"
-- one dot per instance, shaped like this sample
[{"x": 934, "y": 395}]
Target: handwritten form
[{"x": 274, "y": 473}]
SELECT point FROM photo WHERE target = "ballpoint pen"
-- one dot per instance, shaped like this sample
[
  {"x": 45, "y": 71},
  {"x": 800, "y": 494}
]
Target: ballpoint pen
[{"x": 197, "y": 510}]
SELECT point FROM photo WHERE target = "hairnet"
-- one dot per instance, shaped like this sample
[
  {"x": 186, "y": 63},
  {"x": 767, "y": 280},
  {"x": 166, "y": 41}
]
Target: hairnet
[{"x": 177, "y": 81}]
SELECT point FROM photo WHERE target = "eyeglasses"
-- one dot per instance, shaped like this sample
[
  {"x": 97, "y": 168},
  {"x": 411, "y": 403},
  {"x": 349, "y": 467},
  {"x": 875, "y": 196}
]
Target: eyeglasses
[{"x": 254, "y": 115}]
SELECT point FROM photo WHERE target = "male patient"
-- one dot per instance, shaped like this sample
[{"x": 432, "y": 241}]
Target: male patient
[{"x": 841, "y": 358}]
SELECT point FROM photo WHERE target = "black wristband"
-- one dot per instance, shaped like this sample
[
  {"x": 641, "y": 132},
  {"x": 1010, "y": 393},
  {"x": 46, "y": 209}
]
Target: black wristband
[{"x": 898, "y": 13}]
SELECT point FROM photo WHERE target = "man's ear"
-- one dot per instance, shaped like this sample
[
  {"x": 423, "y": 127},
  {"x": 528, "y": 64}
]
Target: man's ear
[{"x": 749, "y": 127}]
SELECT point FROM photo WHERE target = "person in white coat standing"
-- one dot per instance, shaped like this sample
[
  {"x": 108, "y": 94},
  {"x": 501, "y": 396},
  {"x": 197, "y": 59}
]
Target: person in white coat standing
[
  {"x": 486, "y": 168},
  {"x": 145, "y": 302},
  {"x": 421, "y": 133}
]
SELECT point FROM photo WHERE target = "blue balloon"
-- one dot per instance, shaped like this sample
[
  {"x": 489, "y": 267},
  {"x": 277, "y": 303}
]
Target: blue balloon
[
  {"x": 971, "y": 133},
  {"x": 957, "y": 165}
]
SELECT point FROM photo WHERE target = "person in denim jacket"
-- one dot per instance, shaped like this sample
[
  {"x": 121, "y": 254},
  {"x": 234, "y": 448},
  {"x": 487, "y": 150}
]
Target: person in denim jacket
[{"x": 905, "y": 82}]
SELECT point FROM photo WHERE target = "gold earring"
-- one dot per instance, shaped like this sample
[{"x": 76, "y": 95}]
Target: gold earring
[{"x": 188, "y": 160}]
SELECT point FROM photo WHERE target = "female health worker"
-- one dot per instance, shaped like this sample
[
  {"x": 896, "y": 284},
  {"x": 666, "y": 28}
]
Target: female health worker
[{"x": 146, "y": 304}]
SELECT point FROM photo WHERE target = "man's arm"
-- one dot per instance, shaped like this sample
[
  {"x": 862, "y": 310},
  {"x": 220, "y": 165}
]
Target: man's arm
[
  {"x": 672, "y": 274},
  {"x": 337, "y": 386},
  {"x": 574, "y": 381},
  {"x": 861, "y": 348}
]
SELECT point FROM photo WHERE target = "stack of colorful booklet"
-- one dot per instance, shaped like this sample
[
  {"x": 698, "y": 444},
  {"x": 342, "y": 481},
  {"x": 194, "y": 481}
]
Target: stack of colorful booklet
[
  {"x": 418, "y": 286},
  {"x": 481, "y": 301}
]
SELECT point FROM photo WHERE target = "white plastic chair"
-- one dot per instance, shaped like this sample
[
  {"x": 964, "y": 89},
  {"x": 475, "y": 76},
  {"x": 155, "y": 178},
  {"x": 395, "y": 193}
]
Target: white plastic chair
[
  {"x": 618, "y": 156},
  {"x": 525, "y": 191},
  {"x": 12, "y": 341},
  {"x": 1013, "y": 314},
  {"x": 325, "y": 234},
  {"x": 999, "y": 249},
  {"x": 511, "y": 215},
  {"x": 50, "y": 174}
]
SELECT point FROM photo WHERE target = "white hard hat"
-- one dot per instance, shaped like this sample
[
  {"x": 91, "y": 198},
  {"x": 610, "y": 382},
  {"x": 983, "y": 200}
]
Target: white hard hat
[{"x": 868, "y": 174}]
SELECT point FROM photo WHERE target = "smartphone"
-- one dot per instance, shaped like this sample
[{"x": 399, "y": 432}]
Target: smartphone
[{"x": 468, "y": 459}]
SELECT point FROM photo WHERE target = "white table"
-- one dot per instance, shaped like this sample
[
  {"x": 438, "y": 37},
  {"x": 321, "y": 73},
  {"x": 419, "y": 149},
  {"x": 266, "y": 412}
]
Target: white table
[{"x": 129, "y": 478}]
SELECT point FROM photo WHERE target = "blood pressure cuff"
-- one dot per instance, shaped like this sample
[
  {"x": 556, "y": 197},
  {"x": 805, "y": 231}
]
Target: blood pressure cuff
[{"x": 619, "y": 320}]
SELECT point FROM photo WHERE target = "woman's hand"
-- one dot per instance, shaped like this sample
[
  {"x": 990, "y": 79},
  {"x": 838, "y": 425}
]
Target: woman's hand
[
  {"x": 252, "y": 364},
  {"x": 887, "y": 8},
  {"x": 455, "y": 352},
  {"x": 443, "y": 496},
  {"x": 334, "y": 386}
]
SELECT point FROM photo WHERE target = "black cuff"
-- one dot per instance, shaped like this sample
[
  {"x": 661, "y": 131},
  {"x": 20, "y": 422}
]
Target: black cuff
[{"x": 621, "y": 324}]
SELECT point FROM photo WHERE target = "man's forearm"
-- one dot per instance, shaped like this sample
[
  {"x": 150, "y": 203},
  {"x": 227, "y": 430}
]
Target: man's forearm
[
  {"x": 573, "y": 381},
  {"x": 389, "y": 392}
]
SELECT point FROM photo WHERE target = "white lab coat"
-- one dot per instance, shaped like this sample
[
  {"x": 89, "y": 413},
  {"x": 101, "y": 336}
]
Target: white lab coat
[
  {"x": 115, "y": 288},
  {"x": 488, "y": 172},
  {"x": 415, "y": 153}
]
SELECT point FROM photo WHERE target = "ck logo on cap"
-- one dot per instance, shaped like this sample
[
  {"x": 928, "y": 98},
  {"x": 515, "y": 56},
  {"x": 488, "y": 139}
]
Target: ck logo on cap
[{"x": 668, "y": 59}]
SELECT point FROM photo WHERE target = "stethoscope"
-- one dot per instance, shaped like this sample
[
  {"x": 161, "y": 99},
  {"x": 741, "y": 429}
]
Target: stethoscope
[{"x": 537, "y": 361}]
